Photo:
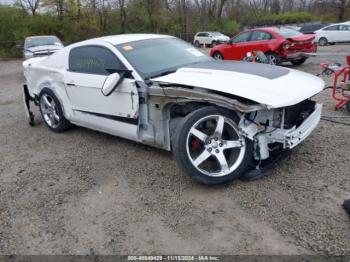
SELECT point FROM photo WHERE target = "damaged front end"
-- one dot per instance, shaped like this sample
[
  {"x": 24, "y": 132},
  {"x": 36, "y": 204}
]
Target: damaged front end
[{"x": 276, "y": 131}]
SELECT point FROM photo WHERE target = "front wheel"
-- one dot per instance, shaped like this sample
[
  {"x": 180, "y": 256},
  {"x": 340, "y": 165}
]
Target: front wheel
[
  {"x": 208, "y": 146},
  {"x": 323, "y": 41},
  {"x": 218, "y": 56}
]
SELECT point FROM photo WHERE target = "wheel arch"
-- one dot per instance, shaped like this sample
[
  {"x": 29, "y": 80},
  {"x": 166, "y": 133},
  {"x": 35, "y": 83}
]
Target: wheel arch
[{"x": 169, "y": 107}]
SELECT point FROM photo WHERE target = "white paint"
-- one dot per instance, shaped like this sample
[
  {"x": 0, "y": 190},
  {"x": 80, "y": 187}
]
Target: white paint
[{"x": 287, "y": 90}]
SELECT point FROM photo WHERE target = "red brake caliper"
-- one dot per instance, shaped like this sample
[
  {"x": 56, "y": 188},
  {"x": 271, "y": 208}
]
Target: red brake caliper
[{"x": 196, "y": 144}]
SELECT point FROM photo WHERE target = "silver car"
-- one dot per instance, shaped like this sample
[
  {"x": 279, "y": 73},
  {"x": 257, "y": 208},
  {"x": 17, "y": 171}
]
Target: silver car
[{"x": 44, "y": 45}]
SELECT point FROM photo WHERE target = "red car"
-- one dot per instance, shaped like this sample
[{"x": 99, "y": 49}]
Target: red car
[{"x": 279, "y": 44}]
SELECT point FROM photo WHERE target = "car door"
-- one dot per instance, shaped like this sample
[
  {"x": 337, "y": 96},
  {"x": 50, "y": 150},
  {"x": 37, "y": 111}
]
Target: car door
[
  {"x": 332, "y": 33},
  {"x": 344, "y": 33},
  {"x": 259, "y": 41},
  {"x": 88, "y": 69},
  {"x": 238, "y": 48},
  {"x": 207, "y": 39}
]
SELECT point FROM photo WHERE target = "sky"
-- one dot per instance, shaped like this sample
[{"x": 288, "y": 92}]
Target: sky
[{"x": 6, "y": 2}]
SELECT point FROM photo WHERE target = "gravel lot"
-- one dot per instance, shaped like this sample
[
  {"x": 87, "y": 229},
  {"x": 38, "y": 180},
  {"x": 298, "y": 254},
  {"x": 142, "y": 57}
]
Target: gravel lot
[{"x": 84, "y": 192}]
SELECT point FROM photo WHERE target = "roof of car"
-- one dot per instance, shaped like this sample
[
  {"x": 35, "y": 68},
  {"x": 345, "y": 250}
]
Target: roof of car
[
  {"x": 39, "y": 36},
  {"x": 126, "y": 38}
]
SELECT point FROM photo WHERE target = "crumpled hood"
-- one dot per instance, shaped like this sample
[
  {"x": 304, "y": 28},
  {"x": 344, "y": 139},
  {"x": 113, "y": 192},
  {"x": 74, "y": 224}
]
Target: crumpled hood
[{"x": 269, "y": 85}]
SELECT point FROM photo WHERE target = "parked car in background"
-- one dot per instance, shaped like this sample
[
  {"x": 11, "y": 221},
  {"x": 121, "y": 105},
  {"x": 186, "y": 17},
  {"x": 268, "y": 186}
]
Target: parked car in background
[
  {"x": 311, "y": 28},
  {"x": 336, "y": 33},
  {"x": 280, "y": 44},
  {"x": 41, "y": 46},
  {"x": 293, "y": 27},
  {"x": 209, "y": 38}
]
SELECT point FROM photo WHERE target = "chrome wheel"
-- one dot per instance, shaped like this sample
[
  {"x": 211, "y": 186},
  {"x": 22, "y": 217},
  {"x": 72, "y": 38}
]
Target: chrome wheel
[
  {"x": 272, "y": 59},
  {"x": 214, "y": 146},
  {"x": 218, "y": 56},
  {"x": 323, "y": 41},
  {"x": 49, "y": 111}
]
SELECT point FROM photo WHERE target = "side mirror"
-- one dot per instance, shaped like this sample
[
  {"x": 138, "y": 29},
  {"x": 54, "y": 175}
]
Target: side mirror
[{"x": 111, "y": 83}]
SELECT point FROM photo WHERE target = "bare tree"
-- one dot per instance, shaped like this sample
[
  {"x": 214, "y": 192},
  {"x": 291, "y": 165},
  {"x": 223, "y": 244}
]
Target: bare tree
[{"x": 31, "y": 5}]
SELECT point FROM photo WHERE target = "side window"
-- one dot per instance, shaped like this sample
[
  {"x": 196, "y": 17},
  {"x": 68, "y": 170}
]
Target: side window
[
  {"x": 201, "y": 34},
  {"x": 331, "y": 28},
  {"x": 206, "y": 34},
  {"x": 93, "y": 60},
  {"x": 344, "y": 28},
  {"x": 243, "y": 37},
  {"x": 260, "y": 35}
]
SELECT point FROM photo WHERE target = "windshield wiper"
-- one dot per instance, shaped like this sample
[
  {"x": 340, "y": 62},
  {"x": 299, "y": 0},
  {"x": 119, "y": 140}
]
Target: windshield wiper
[{"x": 163, "y": 74}]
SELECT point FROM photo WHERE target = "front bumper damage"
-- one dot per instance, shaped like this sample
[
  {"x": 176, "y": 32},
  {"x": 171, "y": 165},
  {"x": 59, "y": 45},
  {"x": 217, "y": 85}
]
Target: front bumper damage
[
  {"x": 290, "y": 138},
  {"x": 267, "y": 159}
]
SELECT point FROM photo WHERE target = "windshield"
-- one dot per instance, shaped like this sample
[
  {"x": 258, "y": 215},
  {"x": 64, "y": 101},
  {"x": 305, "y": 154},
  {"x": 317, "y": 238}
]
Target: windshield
[
  {"x": 154, "y": 57},
  {"x": 40, "y": 41},
  {"x": 287, "y": 33}
]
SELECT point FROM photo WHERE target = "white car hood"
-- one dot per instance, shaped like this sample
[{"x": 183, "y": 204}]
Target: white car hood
[
  {"x": 273, "y": 86},
  {"x": 44, "y": 48}
]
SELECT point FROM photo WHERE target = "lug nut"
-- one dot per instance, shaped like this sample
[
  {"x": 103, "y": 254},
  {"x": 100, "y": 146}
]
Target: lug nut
[
  {"x": 216, "y": 139},
  {"x": 209, "y": 141},
  {"x": 209, "y": 149},
  {"x": 220, "y": 144},
  {"x": 217, "y": 151}
]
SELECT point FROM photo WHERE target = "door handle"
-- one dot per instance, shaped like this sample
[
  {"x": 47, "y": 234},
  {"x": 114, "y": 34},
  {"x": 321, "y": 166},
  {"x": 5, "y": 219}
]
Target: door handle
[{"x": 70, "y": 84}]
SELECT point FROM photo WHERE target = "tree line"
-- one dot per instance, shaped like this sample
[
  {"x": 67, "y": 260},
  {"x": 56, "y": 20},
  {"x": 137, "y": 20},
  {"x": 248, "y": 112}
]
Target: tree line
[{"x": 74, "y": 20}]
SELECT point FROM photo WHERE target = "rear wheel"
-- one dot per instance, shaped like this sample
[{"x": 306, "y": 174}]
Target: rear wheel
[
  {"x": 323, "y": 41},
  {"x": 273, "y": 58},
  {"x": 208, "y": 146},
  {"x": 298, "y": 62},
  {"x": 197, "y": 44},
  {"x": 51, "y": 111},
  {"x": 218, "y": 56}
]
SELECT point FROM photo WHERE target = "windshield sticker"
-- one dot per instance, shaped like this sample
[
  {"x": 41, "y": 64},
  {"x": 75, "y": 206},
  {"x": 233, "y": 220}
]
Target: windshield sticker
[
  {"x": 127, "y": 48},
  {"x": 194, "y": 52}
]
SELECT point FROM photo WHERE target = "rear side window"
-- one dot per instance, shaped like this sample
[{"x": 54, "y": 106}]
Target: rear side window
[
  {"x": 94, "y": 60},
  {"x": 260, "y": 35},
  {"x": 288, "y": 33},
  {"x": 344, "y": 28}
]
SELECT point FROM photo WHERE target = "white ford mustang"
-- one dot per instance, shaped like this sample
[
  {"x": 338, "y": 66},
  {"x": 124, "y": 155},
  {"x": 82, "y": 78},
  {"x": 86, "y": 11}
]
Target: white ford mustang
[{"x": 221, "y": 120}]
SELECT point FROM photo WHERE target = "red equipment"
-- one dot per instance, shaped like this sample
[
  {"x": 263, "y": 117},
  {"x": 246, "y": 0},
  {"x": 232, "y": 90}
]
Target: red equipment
[{"x": 340, "y": 73}]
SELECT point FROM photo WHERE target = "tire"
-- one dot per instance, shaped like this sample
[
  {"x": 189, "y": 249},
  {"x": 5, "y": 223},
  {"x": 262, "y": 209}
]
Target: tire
[
  {"x": 214, "y": 43},
  {"x": 51, "y": 111},
  {"x": 218, "y": 56},
  {"x": 298, "y": 62},
  {"x": 323, "y": 41},
  {"x": 204, "y": 154},
  {"x": 273, "y": 58},
  {"x": 197, "y": 44}
]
